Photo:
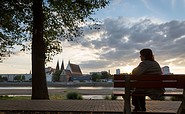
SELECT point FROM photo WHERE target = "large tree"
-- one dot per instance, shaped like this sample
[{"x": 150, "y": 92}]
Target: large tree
[{"x": 41, "y": 25}]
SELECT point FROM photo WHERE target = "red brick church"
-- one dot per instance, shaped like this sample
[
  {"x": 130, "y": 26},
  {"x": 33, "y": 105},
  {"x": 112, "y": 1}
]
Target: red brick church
[{"x": 72, "y": 70}]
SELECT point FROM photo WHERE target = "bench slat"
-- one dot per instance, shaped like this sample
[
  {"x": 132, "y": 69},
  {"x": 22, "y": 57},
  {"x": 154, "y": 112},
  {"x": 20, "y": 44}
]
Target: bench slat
[
  {"x": 151, "y": 81},
  {"x": 151, "y": 77},
  {"x": 148, "y": 85}
]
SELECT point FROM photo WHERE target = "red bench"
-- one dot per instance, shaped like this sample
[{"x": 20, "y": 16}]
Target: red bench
[{"x": 149, "y": 81}]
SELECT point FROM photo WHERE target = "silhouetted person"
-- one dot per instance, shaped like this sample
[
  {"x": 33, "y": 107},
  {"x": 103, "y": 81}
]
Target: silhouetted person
[{"x": 147, "y": 66}]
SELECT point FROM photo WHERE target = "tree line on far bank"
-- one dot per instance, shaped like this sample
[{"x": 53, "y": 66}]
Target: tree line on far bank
[{"x": 16, "y": 78}]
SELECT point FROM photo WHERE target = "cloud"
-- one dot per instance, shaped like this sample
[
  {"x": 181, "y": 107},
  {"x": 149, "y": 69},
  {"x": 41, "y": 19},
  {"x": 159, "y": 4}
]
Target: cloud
[{"x": 119, "y": 41}]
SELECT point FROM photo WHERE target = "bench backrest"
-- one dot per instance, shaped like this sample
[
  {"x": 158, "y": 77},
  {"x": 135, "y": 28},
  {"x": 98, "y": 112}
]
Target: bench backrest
[{"x": 150, "y": 81}]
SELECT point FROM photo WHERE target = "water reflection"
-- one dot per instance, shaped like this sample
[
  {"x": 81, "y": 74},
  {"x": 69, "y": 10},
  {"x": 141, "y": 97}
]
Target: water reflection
[{"x": 87, "y": 92}]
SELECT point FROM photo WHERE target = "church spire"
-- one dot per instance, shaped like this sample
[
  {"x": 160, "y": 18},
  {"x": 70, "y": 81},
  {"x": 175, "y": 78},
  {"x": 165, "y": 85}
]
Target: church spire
[
  {"x": 57, "y": 66},
  {"x": 62, "y": 66}
]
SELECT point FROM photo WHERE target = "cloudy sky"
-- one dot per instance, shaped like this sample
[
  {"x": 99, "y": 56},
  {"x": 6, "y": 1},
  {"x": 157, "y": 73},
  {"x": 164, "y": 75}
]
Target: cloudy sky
[{"x": 127, "y": 26}]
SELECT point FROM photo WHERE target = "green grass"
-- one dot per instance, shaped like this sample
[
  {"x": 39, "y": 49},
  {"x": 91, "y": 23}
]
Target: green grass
[
  {"x": 57, "y": 96},
  {"x": 51, "y": 97}
]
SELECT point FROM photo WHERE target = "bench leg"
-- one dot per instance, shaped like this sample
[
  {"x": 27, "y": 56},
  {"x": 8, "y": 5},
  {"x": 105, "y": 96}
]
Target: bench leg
[
  {"x": 127, "y": 107},
  {"x": 181, "y": 109},
  {"x": 124, "y": 111}
]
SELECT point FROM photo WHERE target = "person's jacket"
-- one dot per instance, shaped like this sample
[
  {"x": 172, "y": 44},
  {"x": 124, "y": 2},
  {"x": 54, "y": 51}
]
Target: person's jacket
[{"x": 149, "y": 67}]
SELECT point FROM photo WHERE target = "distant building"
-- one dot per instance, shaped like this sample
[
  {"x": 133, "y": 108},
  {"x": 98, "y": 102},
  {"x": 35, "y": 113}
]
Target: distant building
[
  {"x": 11, "y": 77},
  {"x": 28, "y": 77},
  {"x": 165, "y": 70},
  {"x": 81, "y": 78},
  {"x": 71, "y": 71},
  {"x": 74, "y": 69},
  {"x": 65, "y": 76},
  {"x": 117, "y": 71},
  {"x": 49, "y": 73}
]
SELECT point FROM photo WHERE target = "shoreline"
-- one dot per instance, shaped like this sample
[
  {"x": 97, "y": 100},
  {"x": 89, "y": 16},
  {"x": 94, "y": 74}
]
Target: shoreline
[
  {"x": 103, "y": 88},
  {"x": 58, "y": 84}
]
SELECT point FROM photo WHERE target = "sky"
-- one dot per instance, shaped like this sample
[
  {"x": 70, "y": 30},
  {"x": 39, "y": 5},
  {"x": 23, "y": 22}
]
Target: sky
[{"x": 127, "y": 26}]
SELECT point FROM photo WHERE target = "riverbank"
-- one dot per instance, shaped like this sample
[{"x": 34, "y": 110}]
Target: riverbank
[
  {"x": 58, "y": 84},
  {"x": 24, "y": 88},
  {"x": 57, "y": 88}
]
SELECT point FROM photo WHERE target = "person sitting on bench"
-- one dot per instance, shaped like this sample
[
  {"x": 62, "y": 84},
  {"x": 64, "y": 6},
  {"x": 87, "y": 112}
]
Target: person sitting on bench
[{"x": 147, "y": 66}]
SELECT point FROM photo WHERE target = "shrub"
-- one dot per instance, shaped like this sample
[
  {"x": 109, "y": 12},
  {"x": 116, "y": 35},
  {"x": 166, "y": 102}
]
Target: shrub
[
  {"x": 113, "y": 97},
  {"x": 162, "y": 98},
  {"x": 107, "y": 97},
  {"x": 74, "y": 96}
]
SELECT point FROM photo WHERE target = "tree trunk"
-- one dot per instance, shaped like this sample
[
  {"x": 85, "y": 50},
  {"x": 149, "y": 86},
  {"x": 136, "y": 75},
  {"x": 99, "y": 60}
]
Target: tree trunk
[{"x": 39, "y": 85}]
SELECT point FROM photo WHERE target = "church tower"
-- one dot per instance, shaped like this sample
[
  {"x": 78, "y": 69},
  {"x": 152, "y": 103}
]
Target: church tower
[
  {"x": 62, "y": 66},
  {"x": 57, "y": 66}
]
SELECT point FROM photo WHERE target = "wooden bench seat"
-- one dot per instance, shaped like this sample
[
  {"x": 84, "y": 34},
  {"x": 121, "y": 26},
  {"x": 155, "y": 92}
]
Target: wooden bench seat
[{"x": 149, "y": 81}]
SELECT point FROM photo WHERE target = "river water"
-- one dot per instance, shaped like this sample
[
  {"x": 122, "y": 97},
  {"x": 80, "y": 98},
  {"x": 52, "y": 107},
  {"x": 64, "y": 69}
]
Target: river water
[
  {"x": 111, "y": 88},
  {"x": 87, "y": 92}
]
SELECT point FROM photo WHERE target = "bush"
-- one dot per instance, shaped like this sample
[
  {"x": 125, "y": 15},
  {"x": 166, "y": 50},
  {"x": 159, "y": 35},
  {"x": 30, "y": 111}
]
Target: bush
[
  {"x": 74, "y": 96},
  {"x": 162, "y": 98},
  {"x": 107, "y": 97},
  {"x": 113, "y": 97}
]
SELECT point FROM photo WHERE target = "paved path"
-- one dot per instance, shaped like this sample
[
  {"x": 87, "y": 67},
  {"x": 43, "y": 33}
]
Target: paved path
[{"x": 81, "y": 106}]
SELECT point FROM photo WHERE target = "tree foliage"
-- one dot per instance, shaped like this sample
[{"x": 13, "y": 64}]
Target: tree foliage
[
  {"x": 15, "y": 25},
  {"x": 41, "y": 25},
  {"x": 105, "y": 75},
  {"x": 2, "y": 79},
  {"x": 56, "y": 76},
  {"x": 95, "y": 77},
  {"x": 19, "y": 78},
  {"x": 63, "y": 20}
]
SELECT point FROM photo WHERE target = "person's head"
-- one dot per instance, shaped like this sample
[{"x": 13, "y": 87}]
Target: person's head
[{"x": 146, "y": 54}]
